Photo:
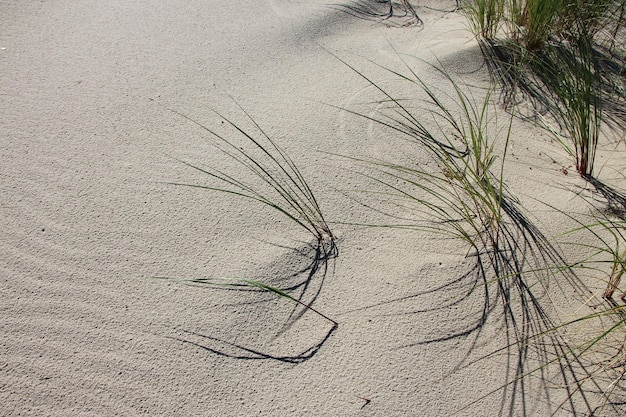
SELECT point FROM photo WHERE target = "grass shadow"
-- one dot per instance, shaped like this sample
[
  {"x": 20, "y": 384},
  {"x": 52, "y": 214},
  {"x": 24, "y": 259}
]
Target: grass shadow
[
  {"x": 231, "y": 350},
  {"x": 302, "y": 288},
  {"x": 516, "y": 274},
  {"x": 615, "y": 199},
  {"x": 510, "y": 290},
  {"x": 522, "y": 276},
  {"x": 388, "y": 12}
]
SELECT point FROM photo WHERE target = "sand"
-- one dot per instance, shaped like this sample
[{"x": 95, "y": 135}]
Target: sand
[{"x": 89, "y": 217}]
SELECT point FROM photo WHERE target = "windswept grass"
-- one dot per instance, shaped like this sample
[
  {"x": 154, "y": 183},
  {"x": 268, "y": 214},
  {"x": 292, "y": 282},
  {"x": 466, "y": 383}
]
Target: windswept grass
[
  {"x": 468, "y": 194},
  {"x": 567, "y": 58},
  {"x": 283, "y": 187},
  {"x": 533, "y": 21},
  {"x": 267, "y": 175},
  {"x": 516, "y": 268}
]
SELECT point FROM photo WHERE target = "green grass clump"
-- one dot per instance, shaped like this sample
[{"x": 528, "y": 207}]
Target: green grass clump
[
  {"x": 534, "y": 23},
  {"x": 562, "y": 54},
  {"x": 468, "y": 194},
  {"x": 266, "y": 174},
  {"x": 465, "y": 197},
  {"x": 282, "y": 186},
  {"x": 574, "y": 80}
]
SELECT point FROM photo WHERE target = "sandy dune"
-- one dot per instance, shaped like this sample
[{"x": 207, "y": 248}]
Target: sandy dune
[{"x": 89, "y": 147}]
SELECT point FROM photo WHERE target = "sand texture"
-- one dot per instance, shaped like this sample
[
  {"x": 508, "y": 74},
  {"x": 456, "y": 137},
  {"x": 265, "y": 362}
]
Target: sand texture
[{"x": 97, "y": 107}]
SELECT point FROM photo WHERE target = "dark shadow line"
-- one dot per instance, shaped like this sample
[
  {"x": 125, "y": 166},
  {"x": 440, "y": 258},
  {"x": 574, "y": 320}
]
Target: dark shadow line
[
  {"x": 519, "y": 243},
  {"x": 615, "y": 199},
  {"x": 253, "y": 354},
  {"x": 324, "y": 253},
  {"x": 384, "y": 11},
  {"x": 315, "y": 271}
]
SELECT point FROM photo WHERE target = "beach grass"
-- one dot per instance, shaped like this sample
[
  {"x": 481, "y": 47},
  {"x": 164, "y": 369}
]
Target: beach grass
[
  {"x": 561, "y": 54},
  {"x": 484, "y": 16},
  {"x": 572, "y": 75},
  {"x": 282, "y": 187},
  {"x": 564, "y": 58},
  {"x": 466, "y": 198},
  {"x": 550, "y": 54}
]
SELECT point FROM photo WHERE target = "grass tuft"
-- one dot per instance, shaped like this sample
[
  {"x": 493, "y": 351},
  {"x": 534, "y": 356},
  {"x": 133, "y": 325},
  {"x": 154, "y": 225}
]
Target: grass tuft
[
  {"x": 566, "y": 55},
  {"x": 283, "y": 187},
  {"x": 465, "y": 197}
]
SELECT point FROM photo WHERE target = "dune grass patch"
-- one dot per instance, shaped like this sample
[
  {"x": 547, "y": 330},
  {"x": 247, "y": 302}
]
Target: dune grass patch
[
  {"x": 463, "y": 195},
  {"x": 566, "y": 59},
  {"x": 567, "y": 56},
  {"x": 550, "y": 53}
]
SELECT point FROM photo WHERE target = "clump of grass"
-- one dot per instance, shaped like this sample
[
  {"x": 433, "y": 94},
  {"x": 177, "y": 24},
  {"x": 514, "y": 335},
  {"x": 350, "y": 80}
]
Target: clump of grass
[
  {"x": 466, "y": 198},
  {"x": 533, "y": 21},
  {"x": 564, "y": 56},
  {"x": 573, "y": 78},
  {"x": 283, "y": 187},
  {"x": 469, "y": 197},
  {"x": 484, "y": 16},
  {"x": 551, "y": 50}
]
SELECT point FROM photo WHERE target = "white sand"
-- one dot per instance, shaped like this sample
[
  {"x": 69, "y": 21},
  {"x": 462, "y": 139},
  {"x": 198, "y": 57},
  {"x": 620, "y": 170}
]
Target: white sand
[{"x": 87, "y": 219}]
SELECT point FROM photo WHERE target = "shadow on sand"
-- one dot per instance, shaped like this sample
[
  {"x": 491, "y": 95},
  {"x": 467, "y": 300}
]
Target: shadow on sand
[
  {"x": 388, "y": 12},
  {"x": 615, "y": 199},
  {"x": 508, "y": 293},
  {"x": 284, "y": 340}
]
